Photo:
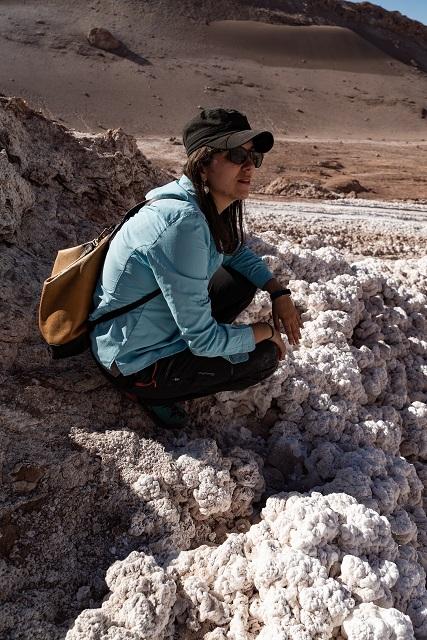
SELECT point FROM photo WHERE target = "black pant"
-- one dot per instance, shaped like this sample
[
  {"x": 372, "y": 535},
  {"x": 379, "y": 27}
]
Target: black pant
[{"x": 184, "y": 376}]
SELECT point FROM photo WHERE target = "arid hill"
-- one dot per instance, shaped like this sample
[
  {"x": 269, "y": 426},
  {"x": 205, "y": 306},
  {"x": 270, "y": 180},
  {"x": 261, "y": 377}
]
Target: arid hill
[{"x": 318, "y": 69}]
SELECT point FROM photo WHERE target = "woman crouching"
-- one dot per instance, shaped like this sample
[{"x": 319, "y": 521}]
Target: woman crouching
[{"x": 188, "y": 242}]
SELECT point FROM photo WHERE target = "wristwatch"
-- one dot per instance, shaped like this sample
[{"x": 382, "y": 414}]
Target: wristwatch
[{"x": 279, "y": 293}]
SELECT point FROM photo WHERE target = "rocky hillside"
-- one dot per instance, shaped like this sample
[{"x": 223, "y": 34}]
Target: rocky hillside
[
  {"x": 401, "y": 37},
  {"x": 325, "y": 69},
  {"x": 394, "y": 33}
]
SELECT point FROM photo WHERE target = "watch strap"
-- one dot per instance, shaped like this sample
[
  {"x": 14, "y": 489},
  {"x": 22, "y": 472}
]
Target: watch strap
[{"x": 279, "y": 293}]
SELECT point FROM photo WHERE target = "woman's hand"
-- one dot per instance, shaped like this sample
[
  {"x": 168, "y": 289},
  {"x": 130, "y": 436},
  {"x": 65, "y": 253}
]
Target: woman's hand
[
  {"x": 262, "y": 331},
  {"x": 284, "y": 312},
  {"x": 281, "y": 347}
]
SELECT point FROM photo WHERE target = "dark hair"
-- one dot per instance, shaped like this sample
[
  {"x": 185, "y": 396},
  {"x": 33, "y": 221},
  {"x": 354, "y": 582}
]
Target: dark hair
[{"x": 226, "y": 228}]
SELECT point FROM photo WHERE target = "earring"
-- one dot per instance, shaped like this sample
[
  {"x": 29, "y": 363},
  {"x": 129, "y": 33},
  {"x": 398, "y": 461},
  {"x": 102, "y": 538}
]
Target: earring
[{"x": 205, "y": 187}]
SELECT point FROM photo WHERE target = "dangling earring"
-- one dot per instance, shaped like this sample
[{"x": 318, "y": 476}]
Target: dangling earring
[{"x": 205, "y": 187}]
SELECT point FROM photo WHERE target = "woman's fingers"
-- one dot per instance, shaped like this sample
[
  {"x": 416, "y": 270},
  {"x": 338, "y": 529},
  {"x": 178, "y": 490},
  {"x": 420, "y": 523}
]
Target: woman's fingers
[
  {"x": 296, "y": 330},
  {"x": 285, "y": 314},
  {"x": 292, "y": 331}
]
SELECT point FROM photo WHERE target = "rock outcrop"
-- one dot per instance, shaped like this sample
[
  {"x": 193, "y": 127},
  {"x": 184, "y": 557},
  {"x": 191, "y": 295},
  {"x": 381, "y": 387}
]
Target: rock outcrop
[
  {"x": 57, "y": 189},
  {"x": 103, "y": 39},
  {"x": 394, "y": 33}
]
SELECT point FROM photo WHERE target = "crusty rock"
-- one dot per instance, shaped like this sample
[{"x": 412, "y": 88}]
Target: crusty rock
[
  {"x": 331, "y": 164},
  {"x": 345, "y": 185},
  {"x": 283, "y": 186},
  {"x": 368, "y": 620},
  {"x": 16, "y": 197},
  {"x": 140, "y": 605},
  {"x": 103, "y": 39}
]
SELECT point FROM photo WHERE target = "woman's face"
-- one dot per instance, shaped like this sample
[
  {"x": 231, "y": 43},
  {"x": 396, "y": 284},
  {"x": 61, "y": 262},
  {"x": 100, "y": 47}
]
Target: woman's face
[{"x": 227, "y": 181}]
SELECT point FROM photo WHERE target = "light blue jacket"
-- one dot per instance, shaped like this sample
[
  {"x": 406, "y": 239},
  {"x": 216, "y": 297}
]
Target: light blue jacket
[{"x": 168, "y": 244}]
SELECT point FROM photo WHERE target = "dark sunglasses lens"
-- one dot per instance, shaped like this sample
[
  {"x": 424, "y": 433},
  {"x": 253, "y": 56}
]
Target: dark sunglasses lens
[
  {"x": 239, "y": 155},
  {"x": 257, "y": 158}
]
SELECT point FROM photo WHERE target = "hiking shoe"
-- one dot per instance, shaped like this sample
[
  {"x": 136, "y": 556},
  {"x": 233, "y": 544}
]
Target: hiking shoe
[{"x": 166, "y": 415}]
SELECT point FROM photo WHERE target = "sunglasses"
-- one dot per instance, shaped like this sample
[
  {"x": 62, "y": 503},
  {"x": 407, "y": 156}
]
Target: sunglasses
[{"x": 239, "y": 155}]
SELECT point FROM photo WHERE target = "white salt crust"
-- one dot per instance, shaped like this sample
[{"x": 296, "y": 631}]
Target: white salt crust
[{"x": 345, "y": 556}]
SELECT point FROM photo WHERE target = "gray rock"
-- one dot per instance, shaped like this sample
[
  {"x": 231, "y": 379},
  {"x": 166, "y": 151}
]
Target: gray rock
[{"x": 103, "y": 39}]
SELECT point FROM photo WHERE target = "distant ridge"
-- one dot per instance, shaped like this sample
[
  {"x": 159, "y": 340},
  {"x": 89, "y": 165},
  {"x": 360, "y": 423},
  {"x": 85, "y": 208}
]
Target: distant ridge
[{"x": 398, "y": 36}]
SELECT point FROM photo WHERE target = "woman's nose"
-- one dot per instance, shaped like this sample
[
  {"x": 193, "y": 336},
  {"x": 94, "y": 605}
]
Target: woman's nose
[{"x": 248, "y": 163}]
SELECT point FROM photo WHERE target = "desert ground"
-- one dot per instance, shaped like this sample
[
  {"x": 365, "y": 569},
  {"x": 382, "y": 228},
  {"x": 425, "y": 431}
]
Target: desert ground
[
  {"x": 315, "y": 168},
  {"x": 325, "y": 92},
  {"x": 296, "y": 509}
]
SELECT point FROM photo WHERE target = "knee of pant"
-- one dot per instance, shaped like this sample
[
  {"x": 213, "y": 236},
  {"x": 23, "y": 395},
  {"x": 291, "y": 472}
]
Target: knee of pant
[
  {"x": 251, "y": 289},
  {"x": 268, "y": 358},
  {"x": 245, "y": 287},
  {"x": 251, "y": 293},
  {"x": 247, "y": 296}
]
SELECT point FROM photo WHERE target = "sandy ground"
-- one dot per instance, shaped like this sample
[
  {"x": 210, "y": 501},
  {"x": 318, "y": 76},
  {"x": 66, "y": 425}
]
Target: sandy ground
[
  {"x": 325, "y": 92},
  {"x": 411, "y": 218},
  {"x": 390, "y": 231},
  {"x": 387, "y": 170}
]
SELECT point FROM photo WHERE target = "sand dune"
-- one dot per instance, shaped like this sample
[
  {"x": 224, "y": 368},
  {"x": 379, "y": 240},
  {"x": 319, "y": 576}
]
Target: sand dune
[{"x": 316, "y": 47}]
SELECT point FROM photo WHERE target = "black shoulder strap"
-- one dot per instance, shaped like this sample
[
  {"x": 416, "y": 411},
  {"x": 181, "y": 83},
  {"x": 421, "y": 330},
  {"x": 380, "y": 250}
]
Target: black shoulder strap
[
  {"x": 129, "y": 307},
  {"x": 129, "y": 214},
  {"x": 133, "y": 305}
]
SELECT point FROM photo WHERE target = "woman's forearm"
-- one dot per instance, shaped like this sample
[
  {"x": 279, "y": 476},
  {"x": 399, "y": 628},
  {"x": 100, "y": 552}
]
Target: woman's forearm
[
  {"x": 272, "y": 285},
  {"x": 262, "y": 331}
]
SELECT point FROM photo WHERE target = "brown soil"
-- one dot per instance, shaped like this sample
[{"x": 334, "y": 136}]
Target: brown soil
[
  {"x": 328, "y": 94},
  {"x": 388, "y": 170}
]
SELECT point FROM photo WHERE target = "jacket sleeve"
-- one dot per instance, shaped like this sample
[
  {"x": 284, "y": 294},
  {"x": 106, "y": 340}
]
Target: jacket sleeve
[
  {"x": 179, "y": 260},
  {"x": 249, "y": 265}
]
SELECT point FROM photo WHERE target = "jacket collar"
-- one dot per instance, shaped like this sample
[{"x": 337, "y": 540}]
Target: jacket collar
[{"x": 186, "y": 184}]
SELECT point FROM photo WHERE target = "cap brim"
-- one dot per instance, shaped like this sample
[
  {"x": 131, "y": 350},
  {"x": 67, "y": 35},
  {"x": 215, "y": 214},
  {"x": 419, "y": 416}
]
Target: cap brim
[{"x": 263, "y": 140}]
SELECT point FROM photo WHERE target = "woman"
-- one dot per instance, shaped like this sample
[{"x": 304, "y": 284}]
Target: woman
[{"x": 189, "y": 242}]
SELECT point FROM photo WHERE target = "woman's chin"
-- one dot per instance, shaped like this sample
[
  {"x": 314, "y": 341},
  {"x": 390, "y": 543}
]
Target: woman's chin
[{"x": 243, "y": 191}]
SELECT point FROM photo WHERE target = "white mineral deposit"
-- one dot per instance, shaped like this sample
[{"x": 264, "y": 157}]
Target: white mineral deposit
[{"x": 345, "y": 557}]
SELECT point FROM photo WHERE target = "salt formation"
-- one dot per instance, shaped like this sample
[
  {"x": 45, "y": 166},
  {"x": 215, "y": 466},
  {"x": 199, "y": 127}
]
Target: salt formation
[
  {"x": 347, "y": 558},
  {"x": 361, "y": 228},
  {"x": 292, "y": 510}
]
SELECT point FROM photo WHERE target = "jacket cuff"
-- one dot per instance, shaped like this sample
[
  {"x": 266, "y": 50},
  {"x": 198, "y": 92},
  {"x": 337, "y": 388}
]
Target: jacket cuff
[
  {"x": 262, "y": 276},
  {"x": 248, "y": 338}
]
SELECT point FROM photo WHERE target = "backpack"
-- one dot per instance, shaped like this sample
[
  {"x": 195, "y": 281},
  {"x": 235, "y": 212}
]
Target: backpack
[{"x": 66, "y": 299}]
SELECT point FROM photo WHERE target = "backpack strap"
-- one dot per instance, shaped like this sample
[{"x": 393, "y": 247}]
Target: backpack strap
[
  {"x": 132, "y": 305},
  {"x": 129, "y": 214},
  {"x": 118, "y": 312}
]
